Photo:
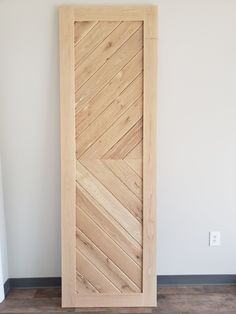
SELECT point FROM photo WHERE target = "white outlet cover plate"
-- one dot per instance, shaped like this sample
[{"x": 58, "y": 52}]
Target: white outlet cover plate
[{"x": 214, "y": 238}]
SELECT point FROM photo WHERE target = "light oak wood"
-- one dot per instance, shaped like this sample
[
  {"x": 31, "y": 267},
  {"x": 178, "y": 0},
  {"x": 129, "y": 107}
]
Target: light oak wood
[
  {"x": 113, "y": 65},
  {"x": 94, "y": 275},
  {"x": 121, "y": 126},
  {"x": 105, "y": 265},
  {"x": 87, "y": 113},
  {"x": 109, "y": 46},
  {"x": 82, "y": 29},
  {"x": 136, "y": 165},
  {"x": 146, "y": 13},
  {"x": 149, "y": 167},
  {"x": 113, "y": 184},
  {"x": 89, "y": 42},
  {"x": 108, "y": 77},
  {"x": 128, "y": 142},
  {"x": 136, "y": 151},
  {"x": 109, "y": 224},
  {"x": 68, "y": 173},
  {"x": 108, "y": 246},
  {"x": 111, "y": 204},
  {"x": 127, "y": 176},
  {"x": 84, "y": 286},
  {"x": 95, "y": 130}
]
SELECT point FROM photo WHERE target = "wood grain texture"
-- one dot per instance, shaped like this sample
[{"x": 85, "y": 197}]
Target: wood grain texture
[
  {"x": 126, "y": 175},
  {"x": 109, "y": 256},
  {"x": 108, "y": 117},
  {"x": 104, "y": 264},
  {"x": 128, "y": 142},
  {"x": 111, "y": 204},
  {"x": 93, "y": 275},
  {"x": 111, "y": 67},
  {"x": 149, "y": 167},
  {"x": 116, "y": 187},
  {"x": 109, "y": 247},
  {"x": 104, "y": 51},
  {"x": 87, "y": 113},
  {"x": 119, "y": 128},
  {"x": 82, "y": 29},
  {"x": 68, "y": 197},
  {"x": 84, "y": 286},
  {"x": 91, "y": 39},
  {"x": 109, "y": 104},
  {"x": 220, "y": 299},
  {"x": 109, "y": 224}
]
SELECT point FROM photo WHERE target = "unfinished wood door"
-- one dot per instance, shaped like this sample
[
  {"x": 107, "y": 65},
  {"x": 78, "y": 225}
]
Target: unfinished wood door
[{"x": 108, "y": 64}]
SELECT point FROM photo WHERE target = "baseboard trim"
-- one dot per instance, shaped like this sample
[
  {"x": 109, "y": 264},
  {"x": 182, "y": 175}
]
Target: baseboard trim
[
  {"x": 40, "y": 282},
  {"x": 168, "y": 280},
  {"x": 7, "y": 287},
  {"x": 196, "y": 280}
]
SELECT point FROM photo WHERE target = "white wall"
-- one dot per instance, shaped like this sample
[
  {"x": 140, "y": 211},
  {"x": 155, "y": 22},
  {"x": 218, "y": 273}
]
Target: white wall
[
  {"x": 3, "y": 243},
  {"x": 196, "y": 134}
]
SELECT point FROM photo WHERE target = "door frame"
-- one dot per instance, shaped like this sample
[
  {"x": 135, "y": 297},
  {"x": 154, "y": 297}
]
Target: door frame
[{"x": 67, "y": 16}]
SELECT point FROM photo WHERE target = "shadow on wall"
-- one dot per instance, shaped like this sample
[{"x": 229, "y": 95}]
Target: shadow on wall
[{"x": 3, "y": 245}]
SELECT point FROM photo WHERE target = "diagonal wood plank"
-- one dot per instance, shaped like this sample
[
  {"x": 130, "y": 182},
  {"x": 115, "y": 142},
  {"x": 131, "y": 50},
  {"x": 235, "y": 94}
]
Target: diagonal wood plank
[
  {"x": 92, "y": 39},
  {"x": 116, "y": 132},
  {"x": 121, "y": 148},
  {"x": 93, "y": 275},
  {"x": 108, "y": 127},
  {"x": 105, "y": 265},
  {"x": 109, "y": 202},
  {"x": 108, "y": 247},
  {"x": 104, "y": 51},
  {"x": 88, "y": 112},
  {"x": 107, "y": 118},
  {"x": 109, "y": 224},
  {"x": 115, "y": 63},
  {"x": 126, "y": 175},
  {"x": 81, "y": 29},
  {"x": 113, "y": 184},
  {"x": 136, "y": 165},
  {"x": 136, "y": 152},
  {"x": 83, "y": 286}
]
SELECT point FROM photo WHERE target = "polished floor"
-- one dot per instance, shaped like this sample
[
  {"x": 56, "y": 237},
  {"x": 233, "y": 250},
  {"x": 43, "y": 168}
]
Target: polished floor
[{"x": 170, "y": 300}]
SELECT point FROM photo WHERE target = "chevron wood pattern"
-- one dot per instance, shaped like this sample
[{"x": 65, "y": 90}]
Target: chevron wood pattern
[
  {"x": 108, "y": 95},
  {"x": 109, "y": 181}
]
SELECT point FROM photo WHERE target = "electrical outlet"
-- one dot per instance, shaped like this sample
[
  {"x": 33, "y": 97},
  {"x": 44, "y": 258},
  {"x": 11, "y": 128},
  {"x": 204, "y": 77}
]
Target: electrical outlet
[{"x": 214, "y": 238}]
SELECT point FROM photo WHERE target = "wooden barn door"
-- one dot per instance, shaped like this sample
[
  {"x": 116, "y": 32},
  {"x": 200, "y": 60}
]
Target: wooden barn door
[{"x": 108, "y": 154}]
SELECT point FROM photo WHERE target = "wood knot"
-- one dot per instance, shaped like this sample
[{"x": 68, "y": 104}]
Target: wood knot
[{"x": 109, "y": 44}]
